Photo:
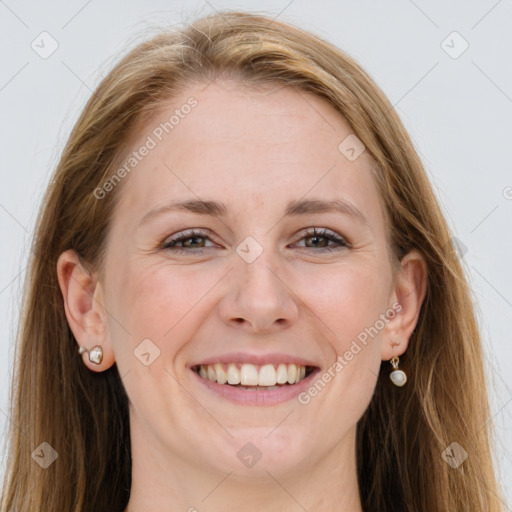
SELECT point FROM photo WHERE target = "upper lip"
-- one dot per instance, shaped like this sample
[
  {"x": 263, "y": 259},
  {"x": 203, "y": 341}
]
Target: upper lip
[{"x": 256, "y": 359}]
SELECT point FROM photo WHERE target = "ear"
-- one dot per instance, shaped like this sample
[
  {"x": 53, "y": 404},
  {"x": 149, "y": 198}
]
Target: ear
[
  {"x": 409, "y": 291},
  {"x": 83, "y": 304}
]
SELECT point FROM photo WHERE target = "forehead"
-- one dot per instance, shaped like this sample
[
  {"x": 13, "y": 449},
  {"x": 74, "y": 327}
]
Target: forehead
[{"x": 248, "y": 148}]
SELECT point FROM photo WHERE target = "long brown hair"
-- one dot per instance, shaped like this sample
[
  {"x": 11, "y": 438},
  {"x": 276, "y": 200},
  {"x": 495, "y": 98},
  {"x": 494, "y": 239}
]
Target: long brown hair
[{"x": 83, "y": 415}]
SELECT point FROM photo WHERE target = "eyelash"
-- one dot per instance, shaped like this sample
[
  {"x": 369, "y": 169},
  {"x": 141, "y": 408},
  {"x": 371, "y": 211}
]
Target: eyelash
[{"x": 169, "y": 243}]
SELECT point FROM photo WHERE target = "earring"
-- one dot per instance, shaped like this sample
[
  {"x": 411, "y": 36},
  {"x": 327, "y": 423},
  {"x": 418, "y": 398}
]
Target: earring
[
  {"x": 95, "y": 354},
  {"x": 398, "y": 377}
]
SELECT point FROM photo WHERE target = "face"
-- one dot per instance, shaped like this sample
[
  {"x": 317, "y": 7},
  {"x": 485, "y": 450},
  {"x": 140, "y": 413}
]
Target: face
[{"x": 253, "y": 288}]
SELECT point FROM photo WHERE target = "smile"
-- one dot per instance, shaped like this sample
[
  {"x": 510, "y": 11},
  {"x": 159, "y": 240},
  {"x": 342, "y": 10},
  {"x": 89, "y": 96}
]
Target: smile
[
  {"x": 255, "y": 385},
  {"x": 267, "y": 376}
]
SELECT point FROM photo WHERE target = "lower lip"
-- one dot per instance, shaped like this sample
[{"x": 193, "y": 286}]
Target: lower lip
[{"x": 260, "y": 397}]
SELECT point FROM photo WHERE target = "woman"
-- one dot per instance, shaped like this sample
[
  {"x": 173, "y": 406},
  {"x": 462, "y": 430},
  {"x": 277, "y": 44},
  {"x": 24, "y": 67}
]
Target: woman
[{"x": 243, "y": 296}]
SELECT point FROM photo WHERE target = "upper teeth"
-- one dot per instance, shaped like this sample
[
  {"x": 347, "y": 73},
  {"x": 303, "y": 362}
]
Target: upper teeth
[{"x": 252, "y": 375}]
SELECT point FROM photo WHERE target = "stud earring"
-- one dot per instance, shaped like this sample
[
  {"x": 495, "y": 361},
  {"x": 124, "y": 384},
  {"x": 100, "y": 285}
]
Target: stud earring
[
  {"x": 398, "y": 377},
  {"x": 95, "y": 354}
]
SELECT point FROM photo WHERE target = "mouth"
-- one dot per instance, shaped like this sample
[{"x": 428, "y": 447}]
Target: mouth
[
  {"x": 251, "y": 376},
  {"x": 247, "y": 383}
]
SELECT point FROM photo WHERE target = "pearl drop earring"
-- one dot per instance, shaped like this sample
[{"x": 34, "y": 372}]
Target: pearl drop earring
[{"x": 398, "y": 377}]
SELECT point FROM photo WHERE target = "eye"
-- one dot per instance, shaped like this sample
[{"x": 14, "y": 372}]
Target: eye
[
  {"x": 316, "y": 235},
  {"x": 172, "y": 243},
  {"x": 194, "y": 240}
]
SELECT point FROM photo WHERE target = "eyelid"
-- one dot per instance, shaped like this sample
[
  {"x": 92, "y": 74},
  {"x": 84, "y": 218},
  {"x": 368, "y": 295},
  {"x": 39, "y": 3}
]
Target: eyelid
[{"x": 314, "y": 230}]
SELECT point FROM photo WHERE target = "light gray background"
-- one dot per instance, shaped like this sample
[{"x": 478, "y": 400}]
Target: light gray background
[{"x": 457, "y": 110}]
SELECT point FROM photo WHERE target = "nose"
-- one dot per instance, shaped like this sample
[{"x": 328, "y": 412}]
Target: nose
[{"x": 258, "y": 298}]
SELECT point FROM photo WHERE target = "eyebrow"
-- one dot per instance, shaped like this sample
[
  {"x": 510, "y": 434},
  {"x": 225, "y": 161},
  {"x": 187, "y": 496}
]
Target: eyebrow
[{"x": 294, "y": 208}]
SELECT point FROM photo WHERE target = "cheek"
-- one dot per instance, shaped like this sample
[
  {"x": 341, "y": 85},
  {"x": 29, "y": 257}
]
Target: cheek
[
  {"x": 353, "y": 303},
  {"x": 158, "y": 302},
  {"x": 156, "y": 311},
  {"x": 349, "y": 299}
]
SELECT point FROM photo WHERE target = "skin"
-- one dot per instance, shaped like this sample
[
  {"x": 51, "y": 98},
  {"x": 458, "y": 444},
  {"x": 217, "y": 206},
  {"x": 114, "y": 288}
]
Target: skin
[{"x": 254, "y": 150}]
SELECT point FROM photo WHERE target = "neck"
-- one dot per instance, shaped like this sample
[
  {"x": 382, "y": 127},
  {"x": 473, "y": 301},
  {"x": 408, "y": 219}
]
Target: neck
[{"x": 163, "y": 482}]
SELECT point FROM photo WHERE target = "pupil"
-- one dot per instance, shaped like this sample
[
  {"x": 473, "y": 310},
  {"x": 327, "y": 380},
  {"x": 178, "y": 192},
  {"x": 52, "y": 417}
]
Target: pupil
[
  {"x": 191, "y": 238},
  {"x": 316, "y": 237}
]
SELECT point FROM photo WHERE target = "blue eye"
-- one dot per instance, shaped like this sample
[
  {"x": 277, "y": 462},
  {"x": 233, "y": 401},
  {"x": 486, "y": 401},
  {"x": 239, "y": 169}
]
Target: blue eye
[{"x": 186, "y": 241}]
